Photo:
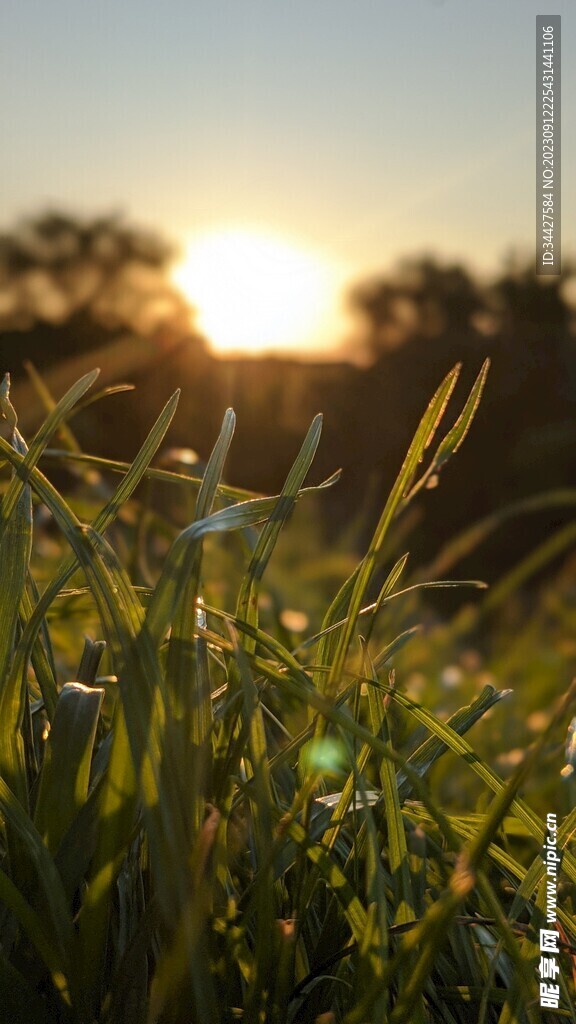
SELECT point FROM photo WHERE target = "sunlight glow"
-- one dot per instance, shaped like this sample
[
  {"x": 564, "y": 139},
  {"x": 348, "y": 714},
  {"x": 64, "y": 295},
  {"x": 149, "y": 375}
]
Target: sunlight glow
[{"x": 256, "y": 293}]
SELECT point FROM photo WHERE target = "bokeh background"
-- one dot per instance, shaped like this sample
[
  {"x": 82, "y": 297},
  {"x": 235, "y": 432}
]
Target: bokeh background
[{"x": 171, "y": 171}]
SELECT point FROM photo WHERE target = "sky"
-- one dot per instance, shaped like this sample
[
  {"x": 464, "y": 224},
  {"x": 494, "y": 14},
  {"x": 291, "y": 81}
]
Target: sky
[{"x": 360, "y": 130}]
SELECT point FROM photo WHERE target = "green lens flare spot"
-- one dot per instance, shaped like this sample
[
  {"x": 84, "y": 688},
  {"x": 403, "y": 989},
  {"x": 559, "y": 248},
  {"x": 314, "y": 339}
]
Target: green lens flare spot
[{"x": 326, "y": 756}]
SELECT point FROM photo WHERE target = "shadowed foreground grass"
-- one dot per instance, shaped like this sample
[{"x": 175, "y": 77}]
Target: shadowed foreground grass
[{"x": 207, "y": 825}]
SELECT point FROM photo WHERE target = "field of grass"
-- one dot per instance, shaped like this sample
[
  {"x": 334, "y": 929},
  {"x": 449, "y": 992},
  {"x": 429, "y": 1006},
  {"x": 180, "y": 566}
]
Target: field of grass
[{"x": 237, "y": 783}]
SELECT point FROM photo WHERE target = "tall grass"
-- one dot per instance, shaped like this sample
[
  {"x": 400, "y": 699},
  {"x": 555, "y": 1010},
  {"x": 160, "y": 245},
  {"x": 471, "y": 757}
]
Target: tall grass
[{"x": 206, "y": 825}]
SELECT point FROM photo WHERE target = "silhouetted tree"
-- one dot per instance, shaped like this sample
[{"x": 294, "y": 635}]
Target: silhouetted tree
[
  {"x": 422, "y": 299},
  {"x": 67, "y": 286}
]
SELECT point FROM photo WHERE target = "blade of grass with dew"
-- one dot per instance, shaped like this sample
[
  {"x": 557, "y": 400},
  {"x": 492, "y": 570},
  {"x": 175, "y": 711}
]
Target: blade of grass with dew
[
  {"x": 120, "y": 792},
  {"x": 41, "y": 654},
  {"x": 97, "y": 396},
  {"x": 15, "y": 551},
  {"x": 49, "y": 402},
  {"x": 40, "y": 441},
  {"x": 65, "y": 773},
  {"x": 230, "y": 494},
  {"x": 228, "y": 518},
  {"x": 145, "y": 706},
  {"x": 398, "y": 496},
  {"x": 385, "y": 592},
  {"x": 422, "y": 439},
  {"x": 143, "y": 694},
  {"x": 104, "y": 518},
  {"x": 215, "y": 467},
  {"x": 335, "y": 617},
  {"x": 190, "y": 702},
  {"x": 247, "y": 606},
  {"x": 374, "y": 608},
  {"x": 183, "y": 551},
  {"x": 455, "y": 437},
  {"x": 121, "y": 613},
  {"x": 143, "y": 703}
]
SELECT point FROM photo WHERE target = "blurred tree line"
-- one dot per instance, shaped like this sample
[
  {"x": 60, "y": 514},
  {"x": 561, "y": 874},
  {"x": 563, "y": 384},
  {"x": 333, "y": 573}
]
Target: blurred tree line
[{"x": 74, "y": 295}]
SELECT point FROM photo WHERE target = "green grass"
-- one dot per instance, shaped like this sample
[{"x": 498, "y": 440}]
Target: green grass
[{"x": 203, "y": 822}]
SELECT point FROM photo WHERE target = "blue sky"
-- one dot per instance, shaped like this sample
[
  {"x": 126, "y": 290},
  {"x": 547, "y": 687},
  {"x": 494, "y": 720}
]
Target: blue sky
[{"x": 365, "y": 129}]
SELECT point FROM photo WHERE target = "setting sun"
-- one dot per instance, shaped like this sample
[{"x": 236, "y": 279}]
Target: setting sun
[{"x": 255, "y": 293}]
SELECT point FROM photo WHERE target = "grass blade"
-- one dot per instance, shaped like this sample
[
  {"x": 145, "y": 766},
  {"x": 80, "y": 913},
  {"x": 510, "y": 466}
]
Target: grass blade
[
  {"x": 15, "y": 550},
  {"x": 65, "y": 773},
  {"x": 420, "y": 443},
  {"x": 103, "y": 520}
]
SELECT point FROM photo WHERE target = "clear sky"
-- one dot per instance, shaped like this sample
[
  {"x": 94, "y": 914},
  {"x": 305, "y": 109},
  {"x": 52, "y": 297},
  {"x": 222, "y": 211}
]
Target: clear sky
[{"x": 363, "y": 129}]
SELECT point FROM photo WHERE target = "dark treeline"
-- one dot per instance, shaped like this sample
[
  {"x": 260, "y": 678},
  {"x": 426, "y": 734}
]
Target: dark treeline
[{"x": 75, "y": 295}]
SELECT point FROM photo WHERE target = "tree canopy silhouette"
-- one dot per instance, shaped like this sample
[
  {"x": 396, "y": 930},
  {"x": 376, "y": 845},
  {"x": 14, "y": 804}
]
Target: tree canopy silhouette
[{"x": 69, "y": 286}]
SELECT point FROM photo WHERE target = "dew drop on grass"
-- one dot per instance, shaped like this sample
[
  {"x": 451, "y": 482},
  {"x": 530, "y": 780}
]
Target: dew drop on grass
[
  {"x": 200, "y": 614},
  {"x": 570, "y": 751}
]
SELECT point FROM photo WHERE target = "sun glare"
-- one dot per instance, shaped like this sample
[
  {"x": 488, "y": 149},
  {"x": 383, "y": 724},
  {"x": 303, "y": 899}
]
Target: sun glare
[{"x": 255, "y": 293}]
